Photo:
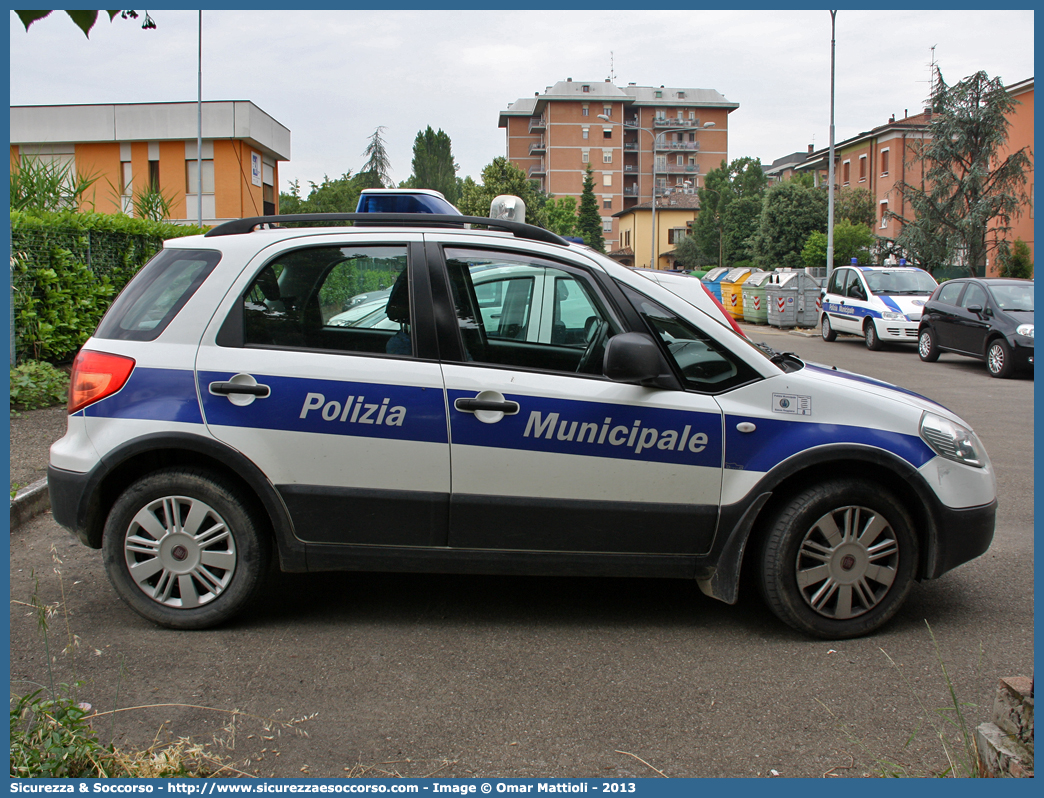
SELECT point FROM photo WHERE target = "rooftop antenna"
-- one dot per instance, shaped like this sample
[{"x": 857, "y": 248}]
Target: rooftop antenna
[
  {"x": 932, "y": 79},
  {"x": 612, "y": 72}
]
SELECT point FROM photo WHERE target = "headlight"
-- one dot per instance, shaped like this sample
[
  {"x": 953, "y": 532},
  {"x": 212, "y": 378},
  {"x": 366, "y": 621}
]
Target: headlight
[
  {"x": 888, "y": 315},
  {"x": 1025, "y": 329},
  {"x": 952, "y": 441}
]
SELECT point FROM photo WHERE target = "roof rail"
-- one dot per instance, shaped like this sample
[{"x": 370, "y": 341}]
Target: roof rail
[{"x": 518, "y": 229}]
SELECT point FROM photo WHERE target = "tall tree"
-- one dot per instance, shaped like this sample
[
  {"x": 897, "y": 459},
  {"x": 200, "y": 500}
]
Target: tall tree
[
  {"x": 730, "y": 205},
  {"x": 433, "y": 165},
  {"x": 851, "y": 240},
  {"x": 790, "y": 213},
  {"x": 378, "y": 166},
  {"x": 589, "y": 220},
  {"x": 502, "y": 177},
  {"x": 856, "y": 205},
  {"x": 561, "y": 215},
  {"x": 968, "y": 190}
]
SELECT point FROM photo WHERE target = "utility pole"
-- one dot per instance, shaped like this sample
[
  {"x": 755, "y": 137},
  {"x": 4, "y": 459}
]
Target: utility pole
[{"x": 830, "y": 171}]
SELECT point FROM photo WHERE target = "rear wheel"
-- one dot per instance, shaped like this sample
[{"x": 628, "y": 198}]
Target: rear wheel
[
  {"x": 839, "y": 559},
  {"x": 873, "y": 342},
  {"x": 998, "y": 359},
  {"x": 183, "y": 549},
  {"x": 927, "y": 346},
  {"x": 826, "y": 330}
]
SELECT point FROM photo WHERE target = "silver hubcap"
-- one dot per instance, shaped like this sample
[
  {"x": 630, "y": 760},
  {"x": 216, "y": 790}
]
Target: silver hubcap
[
  {"x": 180, "y": 552},
  {"x": 996, "y": 360},
  {"x": 847, "y": 562},
  {"x": 870, "y": 334},
  {"x": 925, "y": 345},
  {"x": 826, "y": 327}
]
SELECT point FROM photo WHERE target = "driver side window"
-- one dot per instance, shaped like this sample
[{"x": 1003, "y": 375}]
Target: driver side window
[{"x": 524, "y": 312}]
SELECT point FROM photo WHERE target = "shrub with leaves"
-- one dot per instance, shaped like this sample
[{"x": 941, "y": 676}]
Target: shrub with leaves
[{"x": 35, "y": 384}]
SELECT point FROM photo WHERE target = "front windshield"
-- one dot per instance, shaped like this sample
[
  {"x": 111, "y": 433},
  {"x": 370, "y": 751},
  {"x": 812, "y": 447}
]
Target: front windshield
[
  {"x": 1013, "y": 297},
  {"x": 900, "y": 281}
]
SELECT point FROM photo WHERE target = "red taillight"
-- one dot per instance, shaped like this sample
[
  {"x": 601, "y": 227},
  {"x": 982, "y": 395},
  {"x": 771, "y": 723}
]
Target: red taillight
[{"x": 96, "y": 375}]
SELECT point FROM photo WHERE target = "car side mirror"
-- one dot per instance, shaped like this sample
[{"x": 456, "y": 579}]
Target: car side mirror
[
  {"x": 976, "y": 309},
  {"x": 635, "y": 358}
]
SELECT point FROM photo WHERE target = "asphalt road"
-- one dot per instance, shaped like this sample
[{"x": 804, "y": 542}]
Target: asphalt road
[{"x": 523, "y": 677}]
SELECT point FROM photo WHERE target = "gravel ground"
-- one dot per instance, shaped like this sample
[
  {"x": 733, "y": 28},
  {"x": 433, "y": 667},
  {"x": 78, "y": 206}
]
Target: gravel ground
[{"x": 32, "y": 433}]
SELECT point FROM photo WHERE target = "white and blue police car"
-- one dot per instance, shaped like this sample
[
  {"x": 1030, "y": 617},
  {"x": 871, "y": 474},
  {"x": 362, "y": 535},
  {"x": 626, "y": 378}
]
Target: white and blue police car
[
  {"x": 883, "y": 304},
  {"x": 570, "y": 416}
]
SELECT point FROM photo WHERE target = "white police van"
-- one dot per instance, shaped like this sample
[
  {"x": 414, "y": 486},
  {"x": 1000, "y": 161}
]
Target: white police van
[
  {"x": 222, "y": 415},
  {"x": 883, "y": 304}
]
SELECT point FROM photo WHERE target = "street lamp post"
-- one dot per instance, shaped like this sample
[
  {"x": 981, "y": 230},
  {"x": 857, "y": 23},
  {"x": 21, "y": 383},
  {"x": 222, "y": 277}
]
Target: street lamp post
[
  {"x": 652, "y": 132},
  {"x": 717, "y": 222}
]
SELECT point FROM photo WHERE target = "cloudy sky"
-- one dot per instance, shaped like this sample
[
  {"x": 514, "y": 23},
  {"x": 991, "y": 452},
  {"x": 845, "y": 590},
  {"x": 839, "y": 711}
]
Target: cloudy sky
[{"x": 333, "y": 76}]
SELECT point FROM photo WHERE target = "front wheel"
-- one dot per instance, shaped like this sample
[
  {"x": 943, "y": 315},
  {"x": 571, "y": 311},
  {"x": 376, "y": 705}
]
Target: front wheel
[
  {"x": 826, "y": 330},
  {"x": 927, "y": 346},
  {"x": 870, "y": 337},
  {"x": 839, "y": 559},
  {"x": 999, "y": 360},
  {"x": 183, "y": 548}
]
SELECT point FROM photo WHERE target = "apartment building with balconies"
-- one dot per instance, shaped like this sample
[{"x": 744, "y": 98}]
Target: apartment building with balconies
[{"x": 633, "y": 137}]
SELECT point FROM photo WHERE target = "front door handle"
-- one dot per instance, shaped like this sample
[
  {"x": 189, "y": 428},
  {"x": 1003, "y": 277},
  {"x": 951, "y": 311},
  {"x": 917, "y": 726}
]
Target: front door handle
[{"x": 471, "y": 405}]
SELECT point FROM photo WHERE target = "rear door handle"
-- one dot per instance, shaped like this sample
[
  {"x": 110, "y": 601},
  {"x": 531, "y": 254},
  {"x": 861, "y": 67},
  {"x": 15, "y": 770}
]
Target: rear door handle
[{"x": 226, "y": 388}]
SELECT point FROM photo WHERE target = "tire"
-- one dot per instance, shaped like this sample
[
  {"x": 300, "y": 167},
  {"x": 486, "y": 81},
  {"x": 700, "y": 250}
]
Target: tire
[
  {"x": 927, "y": 345},
  {"x": 999, "y": 361},
  {"x": 870, "y": 336},
  {"x": 826, "y": 330},
  {"x": 820, "y": 578},
  {"x": 199, "y": 573}
]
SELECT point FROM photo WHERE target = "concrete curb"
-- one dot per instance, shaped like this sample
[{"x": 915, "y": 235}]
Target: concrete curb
[{"x": 28, "y": 502}]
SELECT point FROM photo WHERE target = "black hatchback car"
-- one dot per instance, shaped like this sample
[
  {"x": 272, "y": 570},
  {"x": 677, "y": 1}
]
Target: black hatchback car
[{"x": 987, "y": 318}]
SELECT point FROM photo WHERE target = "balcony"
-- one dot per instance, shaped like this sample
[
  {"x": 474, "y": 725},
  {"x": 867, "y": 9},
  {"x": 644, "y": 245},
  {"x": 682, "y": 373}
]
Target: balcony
[
  {"x": 675, "y": 122},
  {"x": 630, "y": 167},
  {"x": 630, "y": 146},
  {"x": 537, "y": 123},
  {"x": 630, "y": 191},
  {"x": 537, "y": 170},
  {"x": 678, "y": 168},
  {"x": 538, "y": 146},
  {"x": 664, "y": 144}
]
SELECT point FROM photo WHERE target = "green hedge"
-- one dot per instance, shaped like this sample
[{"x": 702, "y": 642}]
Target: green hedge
[{"x": 66, "y": 268}]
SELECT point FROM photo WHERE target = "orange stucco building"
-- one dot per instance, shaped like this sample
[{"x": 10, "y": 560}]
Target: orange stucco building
[
  {"x": 633, "y": 137},
  {"x": 1020, "y": 134},
  {"x": 127, "y": 147}
]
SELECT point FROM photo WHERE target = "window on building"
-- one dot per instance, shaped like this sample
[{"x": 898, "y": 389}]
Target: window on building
[
  {"x": 884, "y": 214},
  {"x": 692, "y": 116},
  {"x": 192, "y": 175},
  {"x": 607, "y": 202},
  {"x": 607, "y": 110},
  {"x": 585, "y": 156},
  {"x": 587, "y": 132},
  {"x": 585, "y": 110},
  {"x": 681, "y": 160},
  {"x": 607, "y": 178},
  {"x": 681, "y": 95},
  {"x": 862, "y": 168},
  {"x": 607, "y": 225},
  {"x": 660, "y": 113},
  {"x": 676, "y": 234},
  {"x": 585, "y": 89},
  {"x": 607, "y": 132},
  {"x": 627, "y": 238},
  {"x": 607, "y": 156},
  {"x": 846, "y": 172},
  {"x": 126, "y": 179},
  {"x": 154, "y": 177},
  {"x": 659, "y": 94},
  {"x": 884, "y": 162}
]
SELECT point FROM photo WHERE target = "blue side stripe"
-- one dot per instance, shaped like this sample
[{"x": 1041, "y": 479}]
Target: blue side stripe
[
  {"x": 776, "y": 440},
  {"x": 890, "y": 303},
  {"x": 596, "y": 429},
  {"x": 333, "y": 407},
  {"x": 152, "y": 394}
]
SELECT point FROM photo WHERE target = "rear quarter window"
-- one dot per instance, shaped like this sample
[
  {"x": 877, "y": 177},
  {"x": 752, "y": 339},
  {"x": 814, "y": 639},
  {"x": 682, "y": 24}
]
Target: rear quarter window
[{"x": 157, "y": 294}]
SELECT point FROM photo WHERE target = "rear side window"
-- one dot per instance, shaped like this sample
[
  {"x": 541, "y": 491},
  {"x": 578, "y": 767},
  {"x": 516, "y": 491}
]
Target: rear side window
[{"x": 157, "y": 294}]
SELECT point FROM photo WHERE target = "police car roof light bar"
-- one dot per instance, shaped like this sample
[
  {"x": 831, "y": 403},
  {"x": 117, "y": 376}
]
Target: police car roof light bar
[{"x": 519, "y": 229}]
